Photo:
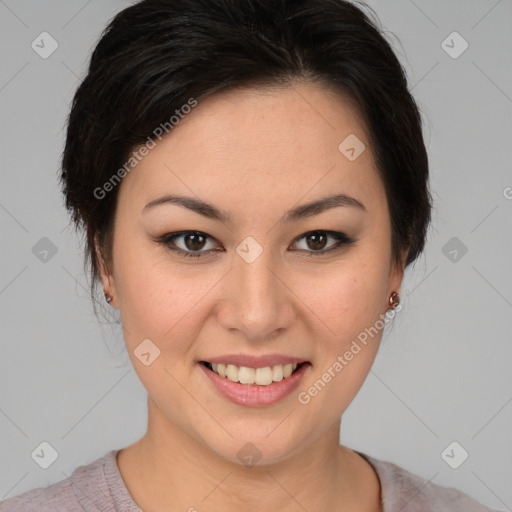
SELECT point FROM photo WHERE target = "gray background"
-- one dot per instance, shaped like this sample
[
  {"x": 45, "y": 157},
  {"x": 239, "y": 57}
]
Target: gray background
[{"x": 443, "y": 370}]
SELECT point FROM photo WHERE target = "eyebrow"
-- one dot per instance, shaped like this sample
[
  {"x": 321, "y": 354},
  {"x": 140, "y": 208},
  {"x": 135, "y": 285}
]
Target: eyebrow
[{"x": 295, "y": 214}]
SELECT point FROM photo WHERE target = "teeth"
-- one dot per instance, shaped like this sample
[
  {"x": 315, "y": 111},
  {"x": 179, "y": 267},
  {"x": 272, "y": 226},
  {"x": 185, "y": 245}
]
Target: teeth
[
  {"x": 245, "y": 375},
  {"x": 232, "y": 372},
  {"x": 260, "y": 376},
  {"x": 221, "y": 369},
  {"x": 263, "y": 376},
  {"x": 277, "y": 372}
]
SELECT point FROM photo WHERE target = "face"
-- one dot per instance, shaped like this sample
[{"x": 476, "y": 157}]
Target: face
[{"x": 258, "y": 281}]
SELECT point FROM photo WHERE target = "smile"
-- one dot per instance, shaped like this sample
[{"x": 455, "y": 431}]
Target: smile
[
  {"x": 254, "y": 387},
  {"x": 253, "y": 376}
]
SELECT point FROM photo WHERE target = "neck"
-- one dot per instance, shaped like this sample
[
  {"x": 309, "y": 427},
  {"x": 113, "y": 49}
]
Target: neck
[{"x": 167, "y": 469}]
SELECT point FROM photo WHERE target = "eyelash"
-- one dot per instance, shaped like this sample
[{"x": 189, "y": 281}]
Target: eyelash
[{"x": 167, "y": 240}]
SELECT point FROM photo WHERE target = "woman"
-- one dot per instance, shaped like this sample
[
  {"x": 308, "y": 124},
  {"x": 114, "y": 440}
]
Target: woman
[{"x": 252, "y": 180}]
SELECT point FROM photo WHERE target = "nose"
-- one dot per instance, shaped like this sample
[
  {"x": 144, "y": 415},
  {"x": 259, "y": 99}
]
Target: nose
[{"x": 257, "y": 303}]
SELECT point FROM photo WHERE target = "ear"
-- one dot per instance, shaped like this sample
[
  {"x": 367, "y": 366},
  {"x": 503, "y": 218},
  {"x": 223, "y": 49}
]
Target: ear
[
  {"x": 106, "y": 276},
  {"x": 396, "y": 275}
]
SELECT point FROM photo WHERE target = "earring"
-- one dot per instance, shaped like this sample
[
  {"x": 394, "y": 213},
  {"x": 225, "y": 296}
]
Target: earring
[
  {"x": 394, "y": 300},
  {"x": 108, "y": 297}
]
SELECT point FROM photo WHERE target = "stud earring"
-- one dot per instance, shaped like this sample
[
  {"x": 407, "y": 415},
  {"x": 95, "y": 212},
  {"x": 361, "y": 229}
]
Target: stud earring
[
  {"x": 108, "y": 297},
  {"x": 394, "y": 300}
]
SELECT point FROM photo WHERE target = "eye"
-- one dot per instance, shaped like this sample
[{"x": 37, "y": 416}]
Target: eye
[
  {"x": 194, "y": 241},
  {"x": 319, "y": 238}
]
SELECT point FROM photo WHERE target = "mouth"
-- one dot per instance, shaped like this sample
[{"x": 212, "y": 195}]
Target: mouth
[{"x": 265, "y": 376}]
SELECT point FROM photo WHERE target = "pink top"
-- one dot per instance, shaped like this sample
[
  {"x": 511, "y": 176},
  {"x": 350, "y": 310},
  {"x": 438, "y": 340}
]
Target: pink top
[{"x": 99, "y": 487}]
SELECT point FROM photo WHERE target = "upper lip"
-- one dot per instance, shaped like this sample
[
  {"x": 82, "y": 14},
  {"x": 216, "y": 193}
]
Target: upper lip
[{"x": 254, "y": 361}]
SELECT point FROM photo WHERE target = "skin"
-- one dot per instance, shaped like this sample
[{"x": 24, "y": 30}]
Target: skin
[{"x": 255, "y": 154}]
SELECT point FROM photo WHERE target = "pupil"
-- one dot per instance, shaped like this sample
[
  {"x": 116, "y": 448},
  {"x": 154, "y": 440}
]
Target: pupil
[
  {"x": 188, "y": 237},
  {"x": 317, "y": 235}
]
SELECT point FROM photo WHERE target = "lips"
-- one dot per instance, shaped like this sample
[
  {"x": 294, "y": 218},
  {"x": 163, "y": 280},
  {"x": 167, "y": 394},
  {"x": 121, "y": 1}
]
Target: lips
[{"x": 250, "y": 393}]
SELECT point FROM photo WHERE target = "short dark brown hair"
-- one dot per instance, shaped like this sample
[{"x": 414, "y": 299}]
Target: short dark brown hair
[{"x": 157, "y": 54}]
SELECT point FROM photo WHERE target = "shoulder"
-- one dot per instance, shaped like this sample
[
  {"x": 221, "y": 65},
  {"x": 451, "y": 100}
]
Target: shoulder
[
  {"x": 405, "y": 491},
  {"x": 85, "y": 490}
]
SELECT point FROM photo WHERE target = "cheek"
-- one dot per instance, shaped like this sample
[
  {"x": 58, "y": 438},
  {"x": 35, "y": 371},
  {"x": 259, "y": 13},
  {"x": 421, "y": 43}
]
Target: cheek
[
  {"x": 162, "y": 300},
  {"x": 164, "y": 308},
  {"x": 348, "y": 335},
  {"x": 348, "y": 299}
]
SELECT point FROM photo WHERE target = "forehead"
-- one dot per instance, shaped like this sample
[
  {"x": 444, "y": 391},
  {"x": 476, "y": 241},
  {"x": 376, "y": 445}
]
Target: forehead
[
  {"x": 246, "y": 144},
  {"x": 299, "y": 119}
]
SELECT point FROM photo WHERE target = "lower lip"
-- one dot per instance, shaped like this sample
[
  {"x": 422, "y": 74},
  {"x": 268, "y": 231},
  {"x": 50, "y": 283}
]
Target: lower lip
[{"x": 252, "y": 395}]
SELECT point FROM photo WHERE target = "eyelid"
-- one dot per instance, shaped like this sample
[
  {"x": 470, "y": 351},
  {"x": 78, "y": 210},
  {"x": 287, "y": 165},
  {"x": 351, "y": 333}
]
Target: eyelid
[
  {"x": 342, "y": 240},
  {"x": 168, "y": 241}
]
